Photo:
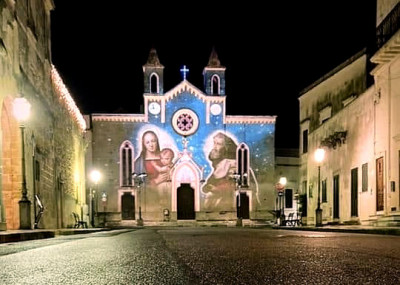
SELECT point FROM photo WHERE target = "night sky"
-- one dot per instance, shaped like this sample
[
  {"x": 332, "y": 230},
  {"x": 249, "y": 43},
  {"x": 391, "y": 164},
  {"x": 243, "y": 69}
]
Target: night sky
[{"x": 271, "y": 51}]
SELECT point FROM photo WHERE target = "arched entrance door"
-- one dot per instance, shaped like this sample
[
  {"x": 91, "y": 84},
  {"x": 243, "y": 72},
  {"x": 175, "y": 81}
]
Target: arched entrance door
[
  {"x": 185, "y": 202},
  {"x": 128, "y": 206},
  {"x": 242, "y": 206}
]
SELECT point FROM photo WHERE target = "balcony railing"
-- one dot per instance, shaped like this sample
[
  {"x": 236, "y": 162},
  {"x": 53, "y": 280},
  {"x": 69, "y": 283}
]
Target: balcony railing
[{"x": 389, "y": 26}]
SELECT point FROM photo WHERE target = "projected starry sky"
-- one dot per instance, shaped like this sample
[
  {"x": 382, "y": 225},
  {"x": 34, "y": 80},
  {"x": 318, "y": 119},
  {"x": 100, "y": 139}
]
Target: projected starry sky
[{"x": 271, "y": 50}]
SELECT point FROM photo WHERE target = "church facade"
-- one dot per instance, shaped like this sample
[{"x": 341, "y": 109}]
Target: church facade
[{"x": 184, "y": 158}]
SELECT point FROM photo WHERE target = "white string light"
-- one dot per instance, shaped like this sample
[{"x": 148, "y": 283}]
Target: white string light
[{"x": 66, "y": 98}]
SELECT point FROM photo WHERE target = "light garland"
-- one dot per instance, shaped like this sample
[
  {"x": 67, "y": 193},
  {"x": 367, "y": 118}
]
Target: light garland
[{"x": 66, "y": 97}]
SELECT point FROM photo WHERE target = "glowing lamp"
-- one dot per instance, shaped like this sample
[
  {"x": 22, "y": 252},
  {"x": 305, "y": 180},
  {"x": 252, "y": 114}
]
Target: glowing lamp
[
  {"x": 319, "y": 155},
  {"x": 283, "y": 181},
  {"x": 21, "y": 109},
  {"x": 95, "y": 176}
]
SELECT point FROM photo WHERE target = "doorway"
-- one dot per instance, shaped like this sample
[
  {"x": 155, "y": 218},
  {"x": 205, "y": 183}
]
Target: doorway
[
  {"x": 128, "y": 206},
  {"x": 242, "y": 206},
  {"x": 336, "y": 197},
  {"x": 354, "y": 192},
  {"x": 379, "y": 184},
  {"x": 185, "y": 202}
]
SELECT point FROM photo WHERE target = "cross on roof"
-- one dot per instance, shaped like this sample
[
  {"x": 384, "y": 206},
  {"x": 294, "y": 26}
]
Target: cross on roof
[{"x": 184, "y": 70}]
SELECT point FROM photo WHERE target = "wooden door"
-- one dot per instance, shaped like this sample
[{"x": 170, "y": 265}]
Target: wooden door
[
  {"x": 354, "y": 192},
  {"x": 336, "y": 197},
  {"x": 242, "y": 206},
  {"x": 185, "y": 203},
  {"x": 379, "y": 184},
  {"x": 128, "y": 206}
]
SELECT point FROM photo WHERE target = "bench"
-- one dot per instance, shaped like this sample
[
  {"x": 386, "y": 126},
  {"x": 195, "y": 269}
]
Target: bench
[
  {"x": 292, "y": 221},
  {"x": 78, "y": 222},
  {"x": 289, "y": 220}
]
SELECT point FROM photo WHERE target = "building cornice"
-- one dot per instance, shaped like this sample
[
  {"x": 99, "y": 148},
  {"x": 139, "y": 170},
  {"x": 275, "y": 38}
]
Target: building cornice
[
  {"x": 135, "y": 118},
  {"x": 250, "y": 119}
]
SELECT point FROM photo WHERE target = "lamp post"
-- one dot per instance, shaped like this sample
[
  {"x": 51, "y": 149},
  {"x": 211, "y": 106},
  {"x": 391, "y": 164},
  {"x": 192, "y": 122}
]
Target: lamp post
[
  {"x": 319, "y": 157},
  {"x": 238, "y": 185},
  {"x": 104, "y": 201},
  {"x": 95, "y": 176},
  {"x": 21, "y": 110},
  {"x": 139, "y": 179},
  {"x": 281, "y": 190}
]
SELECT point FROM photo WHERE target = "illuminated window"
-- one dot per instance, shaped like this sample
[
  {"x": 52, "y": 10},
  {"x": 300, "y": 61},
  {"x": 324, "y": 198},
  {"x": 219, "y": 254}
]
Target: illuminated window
[
  {"x": 215, "y": 84},
  {"x": 126, "y": 164},
  {"x": 242, "y": 157}
]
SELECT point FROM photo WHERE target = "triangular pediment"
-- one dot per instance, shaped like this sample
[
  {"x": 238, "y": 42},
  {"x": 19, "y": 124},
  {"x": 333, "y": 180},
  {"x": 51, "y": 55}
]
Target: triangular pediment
[{"x": 186, "y": 86}]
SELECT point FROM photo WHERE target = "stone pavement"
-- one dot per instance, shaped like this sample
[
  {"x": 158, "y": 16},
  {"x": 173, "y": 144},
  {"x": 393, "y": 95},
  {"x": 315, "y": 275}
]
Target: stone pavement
[
  {"x": 23, "y": 235},
  {"x": 346, "y": 229}
]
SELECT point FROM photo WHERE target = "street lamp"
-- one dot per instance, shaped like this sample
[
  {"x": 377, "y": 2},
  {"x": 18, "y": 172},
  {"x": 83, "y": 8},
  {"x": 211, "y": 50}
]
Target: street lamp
[
  {"x": 281, "y": 190},
  {"x": 319, "y": 157},
  {"x": 238, "y": 184},
  {"x": 139, "y": 180},
  {"x": 104, "y": 201},
  {"x": 21, "y": 110},
  {"x": 95, "y": 176}
]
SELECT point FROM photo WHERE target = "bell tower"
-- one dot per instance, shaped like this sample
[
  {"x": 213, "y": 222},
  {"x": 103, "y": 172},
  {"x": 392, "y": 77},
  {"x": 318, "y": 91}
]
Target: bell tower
[
  {"x": 214, "y": 76},
  {"x": 153, "y": 74}
]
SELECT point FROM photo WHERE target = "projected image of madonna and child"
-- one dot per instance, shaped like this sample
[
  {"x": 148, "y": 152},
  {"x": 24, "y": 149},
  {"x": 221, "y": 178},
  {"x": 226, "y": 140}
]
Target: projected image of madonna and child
[
  {"x": 220, "y": 151},
  {"x": 156, "y": 162}
]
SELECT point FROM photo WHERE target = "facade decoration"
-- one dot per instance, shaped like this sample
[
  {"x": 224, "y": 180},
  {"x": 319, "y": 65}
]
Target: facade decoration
[{"x": 189, "y": 148}]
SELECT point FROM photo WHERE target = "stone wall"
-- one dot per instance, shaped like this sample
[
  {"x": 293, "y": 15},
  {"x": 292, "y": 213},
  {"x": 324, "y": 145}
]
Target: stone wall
[{"x": 54, "y": 144}]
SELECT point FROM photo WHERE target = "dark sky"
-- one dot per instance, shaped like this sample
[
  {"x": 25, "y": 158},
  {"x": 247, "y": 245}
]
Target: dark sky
[{"x": 271, "y": 51}]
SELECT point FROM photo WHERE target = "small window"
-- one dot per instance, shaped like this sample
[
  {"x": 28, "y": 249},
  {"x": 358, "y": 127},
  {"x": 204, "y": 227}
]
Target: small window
[
  {"x": 242, "y": 158},
  {"x": 215, "y": 84},
  {"x": 325, "y": 114},
  {"x": 153, "y": 83},
  {"x": 126, "y": 164},
  {"x": 305, "y": 141}
]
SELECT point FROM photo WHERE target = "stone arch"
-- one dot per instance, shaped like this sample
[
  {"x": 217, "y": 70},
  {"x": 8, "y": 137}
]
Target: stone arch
[
  {"x": 11, "y": 176},
  {"x": 186, "y": 173}
]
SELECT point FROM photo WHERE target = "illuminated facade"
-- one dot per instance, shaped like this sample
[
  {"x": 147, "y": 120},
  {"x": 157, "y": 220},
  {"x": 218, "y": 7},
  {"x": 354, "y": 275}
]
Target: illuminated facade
[
  {"x": 201, "y": 164},
  {"x": 54, "y": 143},
  {"x": 358, "y": 125}
]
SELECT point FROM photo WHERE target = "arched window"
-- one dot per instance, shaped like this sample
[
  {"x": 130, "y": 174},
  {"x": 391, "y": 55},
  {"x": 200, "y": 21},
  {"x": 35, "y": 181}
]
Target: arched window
[
  {"x": 126, "y": 163},
  {"x": 243, "y": 162},
  {"x": 215, "y": 84},
  {"x": 154, "y": 83}
]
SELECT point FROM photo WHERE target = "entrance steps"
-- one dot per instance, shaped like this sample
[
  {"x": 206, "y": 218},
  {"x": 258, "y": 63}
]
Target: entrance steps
[
  {"x": 392, "y": 220},
  {"x": 189, "y": 223}
]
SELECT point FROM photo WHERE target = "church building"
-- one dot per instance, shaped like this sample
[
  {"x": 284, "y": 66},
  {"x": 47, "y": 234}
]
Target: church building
[{"x": 183, "y": 158}]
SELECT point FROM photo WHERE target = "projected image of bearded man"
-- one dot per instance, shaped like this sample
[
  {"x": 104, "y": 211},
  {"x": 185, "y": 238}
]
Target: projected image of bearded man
[{"x": 220, "y": 185}]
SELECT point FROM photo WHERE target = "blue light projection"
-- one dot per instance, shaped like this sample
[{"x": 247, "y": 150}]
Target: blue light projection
[{"x": 212, "y": 150}]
